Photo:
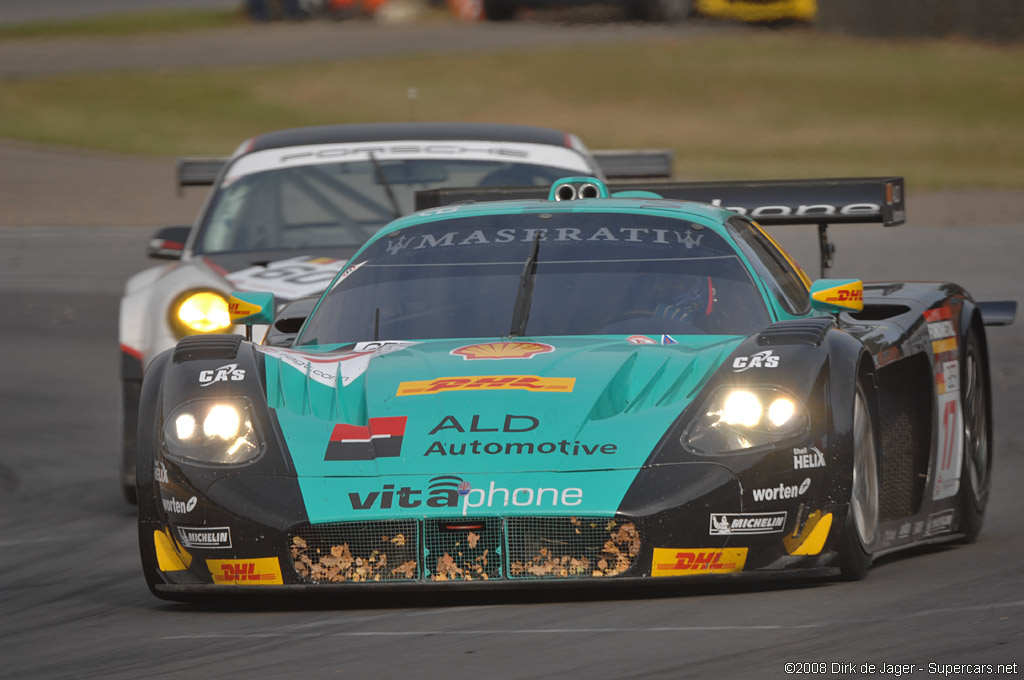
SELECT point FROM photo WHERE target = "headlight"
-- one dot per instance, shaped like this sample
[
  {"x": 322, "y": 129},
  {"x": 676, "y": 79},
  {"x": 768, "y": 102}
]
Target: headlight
[
  {"x": 213, "y": 432},
  {"x": 200, "y": 311},
  {"x": 741, "y": 418}
]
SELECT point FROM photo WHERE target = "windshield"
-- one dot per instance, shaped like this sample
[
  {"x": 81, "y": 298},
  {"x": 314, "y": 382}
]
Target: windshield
[
  {"x": 342, "y": 203},
  {"x": 596, "y": 274}
]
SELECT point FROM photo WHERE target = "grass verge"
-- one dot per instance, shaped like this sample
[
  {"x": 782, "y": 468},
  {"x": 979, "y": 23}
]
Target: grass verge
[{"x": 122, "y": 24}]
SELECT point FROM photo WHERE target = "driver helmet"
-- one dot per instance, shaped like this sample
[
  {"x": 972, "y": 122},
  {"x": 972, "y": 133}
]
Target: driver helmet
[{"x": 691, "y": 305}]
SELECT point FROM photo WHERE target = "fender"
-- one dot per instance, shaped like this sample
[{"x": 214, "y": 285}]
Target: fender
[
  {"x": 794, "y": 359},
  {"x": 149, "y": 519},
  {"x": 150, "y": 402},
  {"x": 848, "y": 363},
  {"x": 223, "y": 366}
]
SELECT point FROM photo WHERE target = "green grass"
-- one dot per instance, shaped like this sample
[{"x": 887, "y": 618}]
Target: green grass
[
  {"x": 133, "y": 23},
  {"x": 738, "y": 105}
]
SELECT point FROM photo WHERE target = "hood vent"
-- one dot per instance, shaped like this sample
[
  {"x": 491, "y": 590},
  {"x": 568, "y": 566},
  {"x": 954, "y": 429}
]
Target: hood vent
[
  {"x": 293, "y": 389},
  {"x": 798, "y": 332},
  {"x": 206, "y": 347},
  {"x": 638, "y": 385}
]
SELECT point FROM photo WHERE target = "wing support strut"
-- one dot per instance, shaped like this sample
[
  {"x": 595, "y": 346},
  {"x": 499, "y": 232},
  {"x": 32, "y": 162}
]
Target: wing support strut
[{"x": 827, "y": 249}]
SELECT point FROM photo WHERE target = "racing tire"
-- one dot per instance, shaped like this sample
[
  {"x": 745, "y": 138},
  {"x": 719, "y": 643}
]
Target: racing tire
[
  {"x": 861, "y": 523},
  {"x": 130, "y": 391},
  {"x": 976, "y": 471},
  {"x": 499, "y": 10},
  {"x": 128, "y": 490},
  {"x": 669, "y": 11}
]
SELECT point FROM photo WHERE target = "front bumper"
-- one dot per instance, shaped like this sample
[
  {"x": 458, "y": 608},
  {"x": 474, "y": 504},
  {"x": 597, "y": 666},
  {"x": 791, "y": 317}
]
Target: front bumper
[{"x": 239, "y": 538}]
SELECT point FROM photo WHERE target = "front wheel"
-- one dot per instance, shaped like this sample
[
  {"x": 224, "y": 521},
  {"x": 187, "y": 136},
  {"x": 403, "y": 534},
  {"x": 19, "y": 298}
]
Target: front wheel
[
  {"x": 976, "y": 472},
  {"x": 861, "y": 523}
]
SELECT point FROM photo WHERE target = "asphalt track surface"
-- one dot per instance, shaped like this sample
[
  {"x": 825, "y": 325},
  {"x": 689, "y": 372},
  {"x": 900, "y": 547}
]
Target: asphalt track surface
[{"x": 73, "y": 602}]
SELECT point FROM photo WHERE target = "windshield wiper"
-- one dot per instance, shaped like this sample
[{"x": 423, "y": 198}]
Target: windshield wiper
[
  {"x": 382, "y": 178},
  {"x": 521, "y": 310}
]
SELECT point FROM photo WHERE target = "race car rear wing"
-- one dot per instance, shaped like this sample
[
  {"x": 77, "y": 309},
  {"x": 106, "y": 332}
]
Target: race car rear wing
[
  {"x": 198, "y": 171},
  {"x": 857, "y": 200},
  {"x": 634, "y": 164},
  {"x": 615, "y": 163}
]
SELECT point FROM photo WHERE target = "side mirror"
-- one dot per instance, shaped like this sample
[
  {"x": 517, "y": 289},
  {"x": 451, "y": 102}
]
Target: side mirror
[
  {"x": 250, "y": 309},
  {"x": 168, "y": 242},
  {"x": 837, "y": 295},
  {"x": 289, "y": 320}
]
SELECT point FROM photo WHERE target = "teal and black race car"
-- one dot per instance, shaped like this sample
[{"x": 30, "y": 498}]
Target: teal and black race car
[{"x": 593, "y": 387}]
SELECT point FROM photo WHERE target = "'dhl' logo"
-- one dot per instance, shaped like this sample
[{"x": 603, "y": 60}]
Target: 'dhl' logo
[
  {"x": 380, "y": 438},
  {"x": 242, "y": 572}
]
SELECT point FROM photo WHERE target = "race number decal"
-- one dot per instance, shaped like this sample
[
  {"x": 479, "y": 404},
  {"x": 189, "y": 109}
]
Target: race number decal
[
  {"x": 951, "y": 446},
  {"x": 942, "y": 332},
  {"x": 289, "y": 279}
]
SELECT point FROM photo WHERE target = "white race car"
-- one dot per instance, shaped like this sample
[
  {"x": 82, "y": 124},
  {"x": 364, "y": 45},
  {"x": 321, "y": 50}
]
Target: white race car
[{"x": 288, "y": 208}]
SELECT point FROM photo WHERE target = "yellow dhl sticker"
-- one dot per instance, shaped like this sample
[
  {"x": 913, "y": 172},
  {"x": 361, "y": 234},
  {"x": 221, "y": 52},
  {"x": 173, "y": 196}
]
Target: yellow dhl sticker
[
  {"x": 690, "y": 561},
  {"x": 259, "y": 571},
  {"x": 531, "y": 383},
  {"x": 240, "y": 309},
  {"x": 849, "y": 295}
]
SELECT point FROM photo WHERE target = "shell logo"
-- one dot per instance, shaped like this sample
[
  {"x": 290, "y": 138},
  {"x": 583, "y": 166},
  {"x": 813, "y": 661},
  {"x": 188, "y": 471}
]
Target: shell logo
[{"x": 503, "y": 350}]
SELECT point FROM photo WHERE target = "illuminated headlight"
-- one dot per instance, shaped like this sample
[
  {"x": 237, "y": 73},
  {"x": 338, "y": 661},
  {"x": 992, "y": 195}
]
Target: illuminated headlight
[
  {"x": 200, "y": 311},
  {"x": 737, "y": 419},
  {"x": 214, "y": 432}
]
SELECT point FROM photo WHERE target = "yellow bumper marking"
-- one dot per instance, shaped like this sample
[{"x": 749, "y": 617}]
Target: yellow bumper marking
[
  {"x": 811, "y": 540},
  {"x": 169, "y": 555}
]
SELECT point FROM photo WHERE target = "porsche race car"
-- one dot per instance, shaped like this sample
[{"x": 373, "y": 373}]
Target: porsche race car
[
  {"x": 590, "y": 387},
  {"x": 289, "y": 207}
]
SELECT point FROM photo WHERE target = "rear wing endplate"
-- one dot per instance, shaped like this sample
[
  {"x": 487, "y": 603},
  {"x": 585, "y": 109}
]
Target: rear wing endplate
[
  {"x": 635, "y": 163},
  {"x": 998, "y": 313},
  {"x": 199, "y": 171},
  {"x": 856, "y": 200}
]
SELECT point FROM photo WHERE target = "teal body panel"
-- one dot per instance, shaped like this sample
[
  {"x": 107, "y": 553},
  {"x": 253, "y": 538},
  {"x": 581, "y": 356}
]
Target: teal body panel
[{"x": 582, "y": 443}]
